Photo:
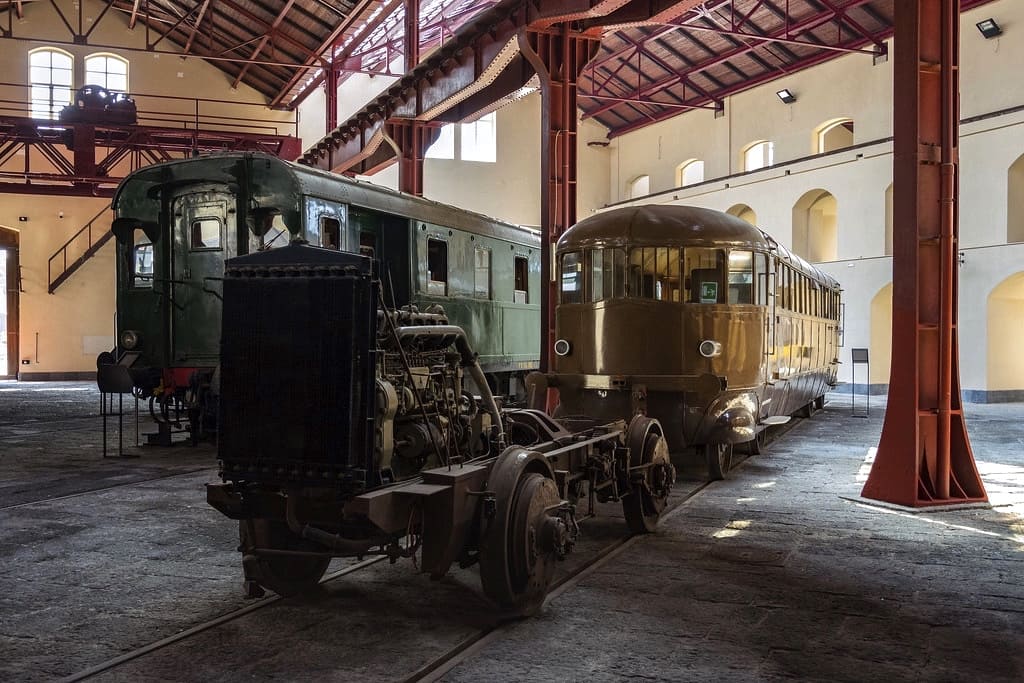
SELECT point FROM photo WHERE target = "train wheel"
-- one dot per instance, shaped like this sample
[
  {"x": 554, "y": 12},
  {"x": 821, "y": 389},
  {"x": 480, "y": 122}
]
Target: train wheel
[
  {"x": 520, "y": 544},
  {"x": 808, "y": 410},
  {"x": 819, "y": 403},
  {"x": 286, "y": 575},
  {"x": 719, "y": 457},
  {"x": 652, "y": 481}
]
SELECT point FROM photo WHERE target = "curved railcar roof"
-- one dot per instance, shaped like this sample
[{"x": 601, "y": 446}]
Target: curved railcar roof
[
  {"x": 274, "y": 182},
  {"x": 661, "y": 225}
]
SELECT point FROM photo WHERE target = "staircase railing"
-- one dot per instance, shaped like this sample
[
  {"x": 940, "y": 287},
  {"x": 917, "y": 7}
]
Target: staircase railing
[{"x": 91, "y": 246}]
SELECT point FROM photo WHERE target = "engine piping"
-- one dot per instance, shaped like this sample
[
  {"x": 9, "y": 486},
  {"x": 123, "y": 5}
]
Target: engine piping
[{"x": 469, "y": 361}]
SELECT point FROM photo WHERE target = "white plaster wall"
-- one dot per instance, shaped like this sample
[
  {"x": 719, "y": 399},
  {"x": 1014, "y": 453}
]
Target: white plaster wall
[{"x": 852, "y": 86}]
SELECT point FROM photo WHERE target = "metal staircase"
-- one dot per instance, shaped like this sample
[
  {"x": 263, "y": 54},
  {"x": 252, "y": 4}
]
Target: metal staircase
[{"x": 82, "y": 244}]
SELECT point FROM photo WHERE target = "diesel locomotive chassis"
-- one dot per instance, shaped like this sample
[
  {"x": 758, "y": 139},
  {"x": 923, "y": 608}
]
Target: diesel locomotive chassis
[{"x": 345, "y": 431}]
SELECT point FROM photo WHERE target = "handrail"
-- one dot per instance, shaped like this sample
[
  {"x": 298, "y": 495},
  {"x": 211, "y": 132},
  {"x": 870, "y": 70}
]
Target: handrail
[{"x": 63, "y": 250}]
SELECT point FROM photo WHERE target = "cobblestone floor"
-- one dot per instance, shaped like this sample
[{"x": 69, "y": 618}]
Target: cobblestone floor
[{"x": 775, "y": 573}]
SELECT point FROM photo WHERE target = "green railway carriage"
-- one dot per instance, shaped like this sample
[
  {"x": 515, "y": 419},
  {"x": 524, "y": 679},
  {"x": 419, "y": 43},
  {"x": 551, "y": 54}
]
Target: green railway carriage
[{"x": 177, "y": 222}]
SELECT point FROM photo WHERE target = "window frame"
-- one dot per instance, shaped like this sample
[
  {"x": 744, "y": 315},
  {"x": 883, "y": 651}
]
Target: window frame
[
  {"x": 431, "y": 282},
  {"x": 53, "y": 104},
  {"x": 107, "y": 57},
  {"x": 488, "y": 293},
  {"x": 192, "y": 234},
  {"x": 518, "y": 259}
]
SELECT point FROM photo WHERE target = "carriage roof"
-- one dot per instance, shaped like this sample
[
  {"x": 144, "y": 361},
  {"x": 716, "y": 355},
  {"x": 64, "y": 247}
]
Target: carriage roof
[
  {"x": 271, "y": 181},
  {"x": 673, "y": 225}
]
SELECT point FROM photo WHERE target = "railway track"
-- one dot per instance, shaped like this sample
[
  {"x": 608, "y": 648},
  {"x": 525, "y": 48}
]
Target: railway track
[
  {"x": 100, "y": 489},
  {"x": 464, "y": 649}
]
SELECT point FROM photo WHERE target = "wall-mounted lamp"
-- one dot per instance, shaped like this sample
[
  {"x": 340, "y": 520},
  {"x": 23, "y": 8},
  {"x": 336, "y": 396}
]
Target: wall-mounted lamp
[
  {"x": 598, "y": 143},
  {"x": 786, "y": 96},
  {"x": 989, "y": 28}
]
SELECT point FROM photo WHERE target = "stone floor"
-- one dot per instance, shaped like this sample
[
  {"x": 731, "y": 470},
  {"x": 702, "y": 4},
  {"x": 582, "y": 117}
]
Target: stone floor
[{"x": 775, "y": 573}]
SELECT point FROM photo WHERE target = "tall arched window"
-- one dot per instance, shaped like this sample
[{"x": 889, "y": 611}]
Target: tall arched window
[
  {"x": 689, "y": 173},
  {"x": 758, "y": 154},
  {"x": 50, "y": 75},
  {"x": 640, "y": 186},
  {"x": 107, "y": 71}
]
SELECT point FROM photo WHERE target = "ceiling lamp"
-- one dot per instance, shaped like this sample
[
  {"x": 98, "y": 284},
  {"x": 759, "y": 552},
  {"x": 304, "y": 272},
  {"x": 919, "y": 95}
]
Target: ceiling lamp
[
  {"x": 786, "y": 96},
  {"x": 989, "y": 28}
]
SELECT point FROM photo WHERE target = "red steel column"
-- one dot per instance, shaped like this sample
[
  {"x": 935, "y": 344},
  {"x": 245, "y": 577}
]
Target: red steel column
[
  {"x": 411, "y": 138},
  {"x": 558, "y": 58},
  {"x": 331, "y": 97},
  {"x": 924, "y": 457}
]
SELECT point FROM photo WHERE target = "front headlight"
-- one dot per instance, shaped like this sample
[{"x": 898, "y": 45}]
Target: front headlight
[
  {"x": 563, "y": 347},
  {"x": 130, "y": 339},
  {"x": 709, "y": 348}
]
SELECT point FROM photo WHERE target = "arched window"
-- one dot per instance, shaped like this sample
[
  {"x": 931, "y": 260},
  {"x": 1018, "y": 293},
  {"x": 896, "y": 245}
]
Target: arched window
[
  {"x": 833, "y": 135},
  {"x": 107, "y": 71},
  {"x": 743, "y": 212},
  {"x": 50, "y": 75},
  {"x": 816, "y": 226},
  {"x": 760, "y": 154},
  {"x": 640, "y": 186},
  {"x": 689, "y": 173}
]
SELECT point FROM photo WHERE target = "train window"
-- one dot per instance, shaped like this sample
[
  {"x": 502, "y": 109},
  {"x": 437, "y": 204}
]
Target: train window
[
  {"x": 761, "y": 279},
  {"x": 571, "y": 279},
  {"x": 206, "y": 233},
  {"x": 741, "y": 277},
  {"x": 608, "y": 274},
  {"x": 521, "y": 294},
  {"x": 142, "y": 264},
  {"x": 654, "y": 273},
  {"x": 437, "y": 267},
  {"x": 367, "y": 244},
  {"x": 276, "y": 236},
  {"x": 704, "y": 275},
  {"x": 482, "y": 273},
  {"x": 330, "y": 232}
]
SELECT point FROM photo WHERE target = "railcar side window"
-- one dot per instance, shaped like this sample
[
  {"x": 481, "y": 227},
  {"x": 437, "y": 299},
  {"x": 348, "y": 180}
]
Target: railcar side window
[
  {"x": 206, "y": 233},
  {"x": 741, "y": 277},
  {"x": 761, "y": 279},
  {"x": 607, "y": 274},
  {"x": 521, "y": 294},
  {"x": 482, "y": 273},
  {"x": 330, "y": 232},
  {"x": 571, "y": 279},
  {"x": 276, "y": 236},
  {"x": 142, "y": 264},
  {"x": 704, "y": 275},
  {"x": 654, "y": 273},
  {"x": 437, "y": 267}
]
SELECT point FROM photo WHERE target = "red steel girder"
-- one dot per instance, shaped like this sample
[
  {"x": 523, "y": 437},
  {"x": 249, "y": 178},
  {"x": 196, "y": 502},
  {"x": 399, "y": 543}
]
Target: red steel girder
[
  {"x": 782, "y": 32},
  {"x": 559, "y": 59},
  {"x": 924, "y": 456},
  {"x": 69, "y": 152}
]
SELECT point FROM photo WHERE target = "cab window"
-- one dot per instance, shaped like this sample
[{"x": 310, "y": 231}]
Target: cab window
[
  {"x": 276, "y": 236},
  {"x": 704, "y": 274},
  {"x": 607, "y": 274},
  {"x": 142, "y": 262},
  {"x": 330, "y": 232},
  {"x": 571, "y": 279},
  {"x": 741, "y": 277},
  {"x": 654, "y": 273},
  {"x": 437, "y": 267},
  {"x": 367, "y": 244},
  {"x": 205, "y": 233}
]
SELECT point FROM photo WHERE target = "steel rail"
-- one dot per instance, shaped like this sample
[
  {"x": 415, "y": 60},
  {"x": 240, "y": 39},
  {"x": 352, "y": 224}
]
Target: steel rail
[{"x": 103, "y": 488}]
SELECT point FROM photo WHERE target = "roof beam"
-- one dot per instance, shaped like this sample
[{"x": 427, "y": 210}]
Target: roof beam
[{"x": 263, "y": 41}]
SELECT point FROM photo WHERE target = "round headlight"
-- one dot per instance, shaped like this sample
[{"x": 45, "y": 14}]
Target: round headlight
[
  {"x": 562, "y": 347},
  {"x": 710, "y": 348},
  {"x": 130, "y": 339}
]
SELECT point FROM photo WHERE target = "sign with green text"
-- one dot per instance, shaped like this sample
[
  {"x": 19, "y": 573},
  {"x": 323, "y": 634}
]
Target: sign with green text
[{"x": 709, "y": 292}]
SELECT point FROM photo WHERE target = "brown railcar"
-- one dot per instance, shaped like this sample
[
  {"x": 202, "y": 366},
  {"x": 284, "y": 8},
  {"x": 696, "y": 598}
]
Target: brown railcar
[{"x": 693, "y": 317}]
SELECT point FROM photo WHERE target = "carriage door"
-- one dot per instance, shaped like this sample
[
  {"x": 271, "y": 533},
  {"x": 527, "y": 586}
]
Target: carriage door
[{"x": 204, "y": 236}]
